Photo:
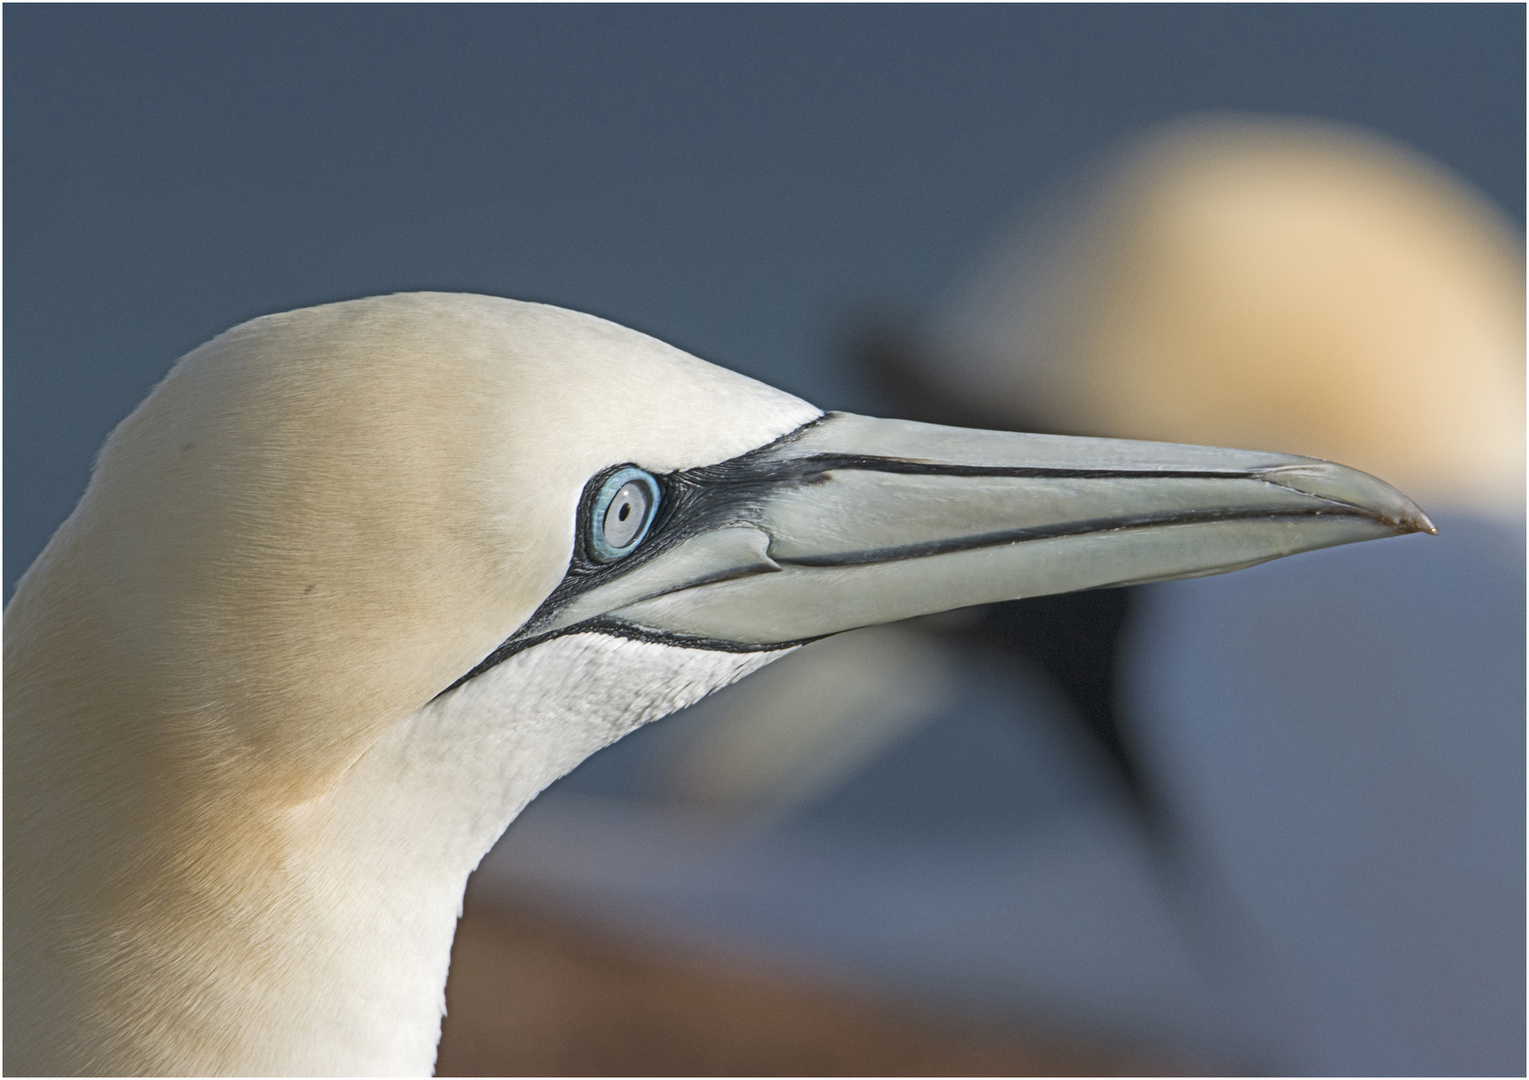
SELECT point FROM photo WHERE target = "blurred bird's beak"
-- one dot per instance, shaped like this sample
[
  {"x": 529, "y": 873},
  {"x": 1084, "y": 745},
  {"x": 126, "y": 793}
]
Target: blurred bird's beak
[{"x": 851, "y": 521}]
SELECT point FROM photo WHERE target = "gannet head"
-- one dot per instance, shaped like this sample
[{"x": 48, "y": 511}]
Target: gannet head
[{"x": 350, "y": 569}]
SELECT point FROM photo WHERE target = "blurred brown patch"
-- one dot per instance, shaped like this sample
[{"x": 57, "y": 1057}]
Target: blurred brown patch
[{"x": 531, "y": 994}]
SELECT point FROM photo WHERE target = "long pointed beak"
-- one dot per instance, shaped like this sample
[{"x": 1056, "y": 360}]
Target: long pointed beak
[{"x": 853, "y": 521}]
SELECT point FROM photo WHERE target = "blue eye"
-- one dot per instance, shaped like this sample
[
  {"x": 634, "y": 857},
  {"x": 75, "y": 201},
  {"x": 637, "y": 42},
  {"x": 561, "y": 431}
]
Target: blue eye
[{"x": 622, "y": 513}]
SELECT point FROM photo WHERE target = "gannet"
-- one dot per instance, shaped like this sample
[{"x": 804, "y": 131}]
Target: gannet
[{"x": 355, "y": 582}]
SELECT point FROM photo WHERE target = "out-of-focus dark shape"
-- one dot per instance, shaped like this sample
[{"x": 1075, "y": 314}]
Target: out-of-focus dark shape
[
  {"x": 533, "y": 994},
  {"x": 1073, "y": 638}
]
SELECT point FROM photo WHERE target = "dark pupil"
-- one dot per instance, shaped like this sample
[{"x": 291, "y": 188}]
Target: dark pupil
[{"x": 626, "y": 514}]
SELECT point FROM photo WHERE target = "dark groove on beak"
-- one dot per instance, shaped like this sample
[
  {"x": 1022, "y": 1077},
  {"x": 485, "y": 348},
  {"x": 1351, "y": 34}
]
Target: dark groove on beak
[
  {"x": 1069, "y": 528},
  {"x": 791, "y": 468}
]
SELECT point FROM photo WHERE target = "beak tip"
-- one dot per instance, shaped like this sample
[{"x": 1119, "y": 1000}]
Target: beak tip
[{"x": 1413, "y": 520}]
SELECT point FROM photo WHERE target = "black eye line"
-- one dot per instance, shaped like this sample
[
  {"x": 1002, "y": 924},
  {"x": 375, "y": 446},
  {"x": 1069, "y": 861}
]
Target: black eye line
[{"x": 690, "y": 501}]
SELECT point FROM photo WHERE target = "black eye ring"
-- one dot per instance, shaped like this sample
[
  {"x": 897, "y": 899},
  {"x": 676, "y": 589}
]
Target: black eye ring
[{"x": 621, "y": 514}]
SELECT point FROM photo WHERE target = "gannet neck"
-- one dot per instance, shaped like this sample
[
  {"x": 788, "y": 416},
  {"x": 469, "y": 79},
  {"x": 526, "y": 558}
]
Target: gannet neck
[{"x": 314, "y": 939}]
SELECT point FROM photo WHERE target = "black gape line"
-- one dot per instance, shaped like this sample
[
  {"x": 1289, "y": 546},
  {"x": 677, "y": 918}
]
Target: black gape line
[{"x": 732, "y": 492}]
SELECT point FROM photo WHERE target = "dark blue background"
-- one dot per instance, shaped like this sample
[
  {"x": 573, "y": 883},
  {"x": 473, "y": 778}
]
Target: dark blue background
[{"x": 737, "y": 180}]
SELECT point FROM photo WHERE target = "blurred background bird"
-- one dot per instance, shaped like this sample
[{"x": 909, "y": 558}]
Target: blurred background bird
[{"x": 1163, "y": 828}]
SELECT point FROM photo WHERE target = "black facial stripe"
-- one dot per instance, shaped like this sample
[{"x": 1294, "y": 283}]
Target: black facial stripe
[
  {"x": 692, "y": 501},
  {"x": 1070, "y": 528},
  {"x": 612, "y": 627}
]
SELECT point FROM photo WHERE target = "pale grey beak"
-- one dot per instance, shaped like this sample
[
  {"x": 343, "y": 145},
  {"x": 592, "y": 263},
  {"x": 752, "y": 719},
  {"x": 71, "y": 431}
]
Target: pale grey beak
[{"x": 852, "y": 521}]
